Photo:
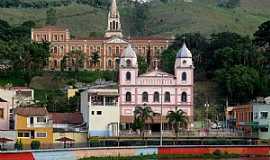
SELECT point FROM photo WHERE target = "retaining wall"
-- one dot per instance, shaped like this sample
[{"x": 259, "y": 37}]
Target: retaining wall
[{"x": 75, "y": 154}]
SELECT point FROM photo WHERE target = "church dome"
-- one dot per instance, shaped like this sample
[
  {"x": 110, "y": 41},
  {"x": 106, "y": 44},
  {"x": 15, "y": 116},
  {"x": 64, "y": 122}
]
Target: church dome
[
  {"x": 128, "y": 52},
  {"x": 184, "y": 52}
]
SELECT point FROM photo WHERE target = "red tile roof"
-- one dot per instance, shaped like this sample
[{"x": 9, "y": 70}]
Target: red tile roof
[
  {"x": 50, "y": 28},
  {"x": 67, "y": 118},
  {"x": 31, "y": 111}
]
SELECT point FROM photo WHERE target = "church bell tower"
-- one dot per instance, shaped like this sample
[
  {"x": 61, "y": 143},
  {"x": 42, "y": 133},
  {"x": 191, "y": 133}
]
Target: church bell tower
[{"x": 114, "y": 24}]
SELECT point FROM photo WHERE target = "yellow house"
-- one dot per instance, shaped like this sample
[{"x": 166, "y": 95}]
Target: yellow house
[
  {"x": 32, "y": 123},
  {"x": 71, "y": 92}
]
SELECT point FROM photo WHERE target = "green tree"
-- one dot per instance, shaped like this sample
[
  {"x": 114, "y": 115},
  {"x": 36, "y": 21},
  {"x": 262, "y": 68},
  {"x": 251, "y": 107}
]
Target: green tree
[
  {"x": 51, "y": 18},
  {"x": 75, "y": 60},
  {"x": 95, "y": 58},
  {"x": 238, "y": 82},
  {"x": 143, "y": 65},
  {"x": 178, "y": 119},
  {"x": 35, "y": 144},
  {"x": 141, "y": 115},
  {"x": 262, "y": 35}
]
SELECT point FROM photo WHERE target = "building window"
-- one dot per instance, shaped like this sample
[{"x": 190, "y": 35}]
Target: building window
[
  {"x": 2, "y": 113},
  {"x": 264, "y": 129},
  {"x": 184, "y": 97},
  {"x": 128, "y": 63},
  {"x": 184, "y": 76},
  {"x": 156, "y": 97},
  {"x": 23, "y": 134},
  {"x": 41, "y": 134},
  {"x": 99, "y": 112},
  {"x": 54, "y": 49},
  {"x": 93, "y": 112},
  {"x": 128, "y": 76},
  {"x": 264, "y": 115},
  {"x": 256, "y": 115},
  {"x": 184, "y": 61},
  {"x": 128, "y": 97},
  {"x": 110, "y": 51},
  {"x": 109, "y": 63},
  {"x": 167, "y": 97},
  {"x": 145, "y": 97},
  {"x": 41, "y": 119},
  {"x": 117, "y": 50},
  {"x": 55, "y": 37}
]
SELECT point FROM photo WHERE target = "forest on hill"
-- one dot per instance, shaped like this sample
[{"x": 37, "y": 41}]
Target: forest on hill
[{"x": 158, "y": 17}]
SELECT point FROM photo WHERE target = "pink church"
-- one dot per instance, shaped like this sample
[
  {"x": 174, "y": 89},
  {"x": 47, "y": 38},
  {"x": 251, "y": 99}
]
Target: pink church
[{"x": 155, "y": 88}]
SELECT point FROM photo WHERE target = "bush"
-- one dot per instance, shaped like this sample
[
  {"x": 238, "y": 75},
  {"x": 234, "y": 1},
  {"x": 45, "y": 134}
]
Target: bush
[
  {"x": 18, "y": 145},
  {"x": 35, "y": 144},
  {"x": 217, "y": 153}
]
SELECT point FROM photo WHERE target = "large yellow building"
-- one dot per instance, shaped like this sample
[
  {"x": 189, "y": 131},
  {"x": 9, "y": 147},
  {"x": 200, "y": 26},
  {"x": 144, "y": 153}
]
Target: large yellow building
[{"x": 32, "y": 123}]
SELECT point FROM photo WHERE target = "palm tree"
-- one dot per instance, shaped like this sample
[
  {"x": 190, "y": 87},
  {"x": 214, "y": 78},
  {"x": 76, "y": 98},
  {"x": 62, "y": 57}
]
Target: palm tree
[
  {"x": 95, "y": 58},
  {"x": 75, "y": 60},
  {"x": 141, "y": 115},
  {"x": 178, "y": 119}
]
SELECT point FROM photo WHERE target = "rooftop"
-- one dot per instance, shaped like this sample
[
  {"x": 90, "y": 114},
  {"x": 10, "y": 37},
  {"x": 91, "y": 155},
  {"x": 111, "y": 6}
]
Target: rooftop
[
  {"x": 31, "y": 111},
  {"x": 50, "y": 28},
  {"x": 2, "y": 100},
  {"x": 67, "y": 118}
]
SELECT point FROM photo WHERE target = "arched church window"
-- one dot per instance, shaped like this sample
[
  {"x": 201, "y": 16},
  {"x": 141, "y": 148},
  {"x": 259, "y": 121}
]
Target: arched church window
[
  {"x": 184, "y": 76},
  {"x": 128, "y": 76},
  {"x": 128, "y": 63},
  {"x": 167, "y": 97},
  {"x": 128, "y": 97},
  {"x": 184, "y": 97},
  {"x": 145, "y": 97},
  {"x": 156, "y": 97},
  {"x": 184, "y": 61}
]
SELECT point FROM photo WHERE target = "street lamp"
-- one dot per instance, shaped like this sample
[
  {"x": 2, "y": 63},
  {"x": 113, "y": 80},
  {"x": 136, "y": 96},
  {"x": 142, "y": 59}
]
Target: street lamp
[
  {"x": 161, "y": 106},
  {"x": 206, "y": 105}
]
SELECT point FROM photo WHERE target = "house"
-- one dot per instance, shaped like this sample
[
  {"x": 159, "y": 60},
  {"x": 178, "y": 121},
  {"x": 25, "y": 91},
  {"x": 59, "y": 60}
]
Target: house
[
  {"x": 17, "y": 96},
  {"x": 4, "y": 114},
  {"x": 67, "y": 121},
  {"x": 261, "y": 116},
  {"x": 32, "y": 123},
  {"x": 100, "y": 110},
  {"x": 240, "y": 117},
  {"x": 161, "y": 91}
]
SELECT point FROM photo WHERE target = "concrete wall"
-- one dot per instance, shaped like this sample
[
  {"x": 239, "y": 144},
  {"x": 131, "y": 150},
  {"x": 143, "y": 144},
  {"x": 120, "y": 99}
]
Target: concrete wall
[
  {"x": 79, "y": 137},
  {"x": 4, "y": 122},
  {"x": 99, "y": 124},
  {"x": 75, "y": 154}
]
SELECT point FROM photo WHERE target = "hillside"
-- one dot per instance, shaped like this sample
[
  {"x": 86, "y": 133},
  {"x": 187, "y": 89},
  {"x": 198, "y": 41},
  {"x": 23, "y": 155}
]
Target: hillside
[{"x": 174, "y": 17}]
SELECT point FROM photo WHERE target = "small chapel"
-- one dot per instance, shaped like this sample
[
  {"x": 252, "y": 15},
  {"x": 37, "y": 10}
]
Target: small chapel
[{"x": 159, "y": 90}]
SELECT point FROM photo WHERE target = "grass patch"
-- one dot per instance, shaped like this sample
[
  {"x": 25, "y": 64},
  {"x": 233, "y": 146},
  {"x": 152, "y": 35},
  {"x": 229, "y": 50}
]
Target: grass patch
[{"x": 162, "y": 19}]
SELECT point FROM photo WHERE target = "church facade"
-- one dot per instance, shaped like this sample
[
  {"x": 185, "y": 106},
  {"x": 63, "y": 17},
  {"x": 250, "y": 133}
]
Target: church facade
[
  {"x": 161, "y": 91},
  {"x": 108, "y": 47}
]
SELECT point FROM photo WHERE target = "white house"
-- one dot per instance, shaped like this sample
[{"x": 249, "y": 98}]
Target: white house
[{"x": 100, "y": 110}]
